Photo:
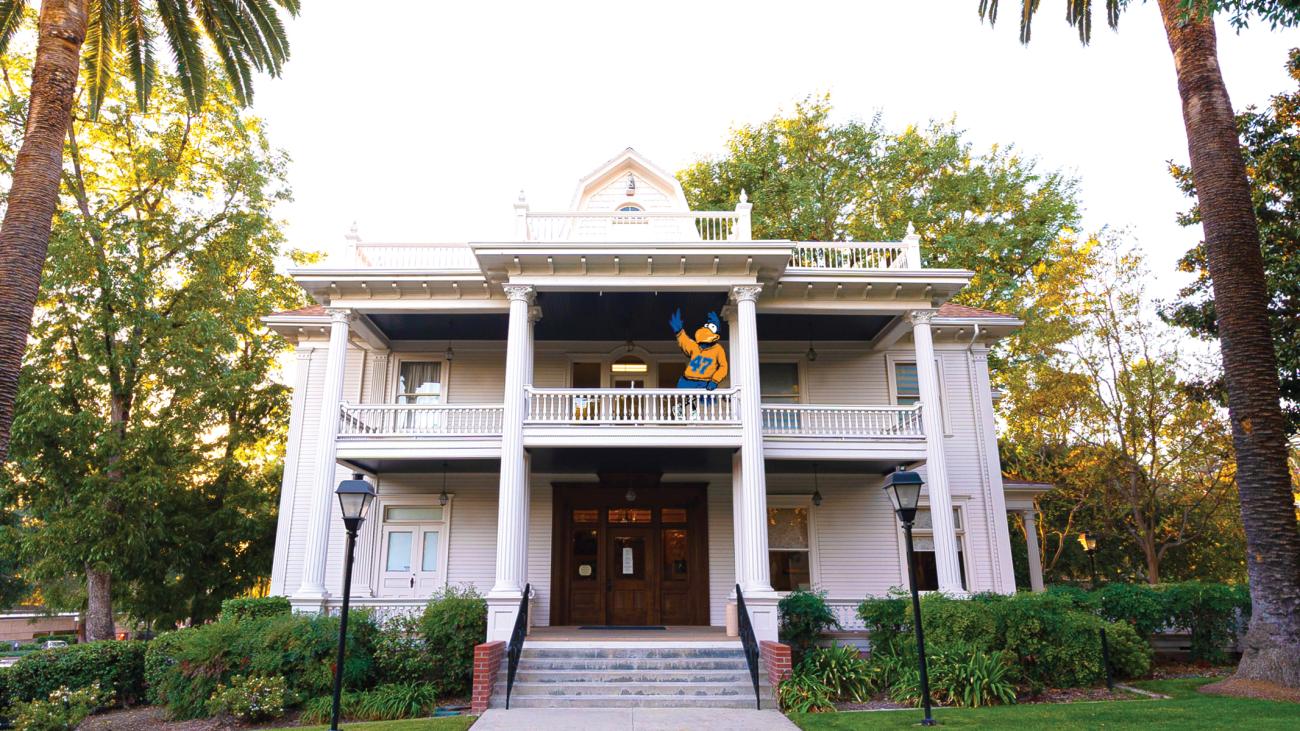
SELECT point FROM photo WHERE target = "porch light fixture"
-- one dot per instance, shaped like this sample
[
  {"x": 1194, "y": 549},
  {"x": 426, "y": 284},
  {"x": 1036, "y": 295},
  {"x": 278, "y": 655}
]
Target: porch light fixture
[
  {"x": 630, "y": 495},
  {"x": 442, "y": 497},
  {"x": 355, "y": 496},
  {"x": 817, "y": 493},
  {"x": 811, "y": 355},
  {"x": 450, "y": 354},
  {"x": 1089, "y": 543},
  {"x": 629, "y": 364},
  {"x": 904, "y": 490}
]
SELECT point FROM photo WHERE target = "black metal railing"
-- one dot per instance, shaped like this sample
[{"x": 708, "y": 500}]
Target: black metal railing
[
  {"x": 749, "y": 642},
  {"x": 516, "y": 646}
]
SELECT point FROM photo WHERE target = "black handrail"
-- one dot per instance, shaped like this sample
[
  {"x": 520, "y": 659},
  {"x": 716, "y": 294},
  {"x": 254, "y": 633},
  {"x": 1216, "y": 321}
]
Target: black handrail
[
  {"x": 516, "y": 646},
  {"x": 749, "y": 642}
]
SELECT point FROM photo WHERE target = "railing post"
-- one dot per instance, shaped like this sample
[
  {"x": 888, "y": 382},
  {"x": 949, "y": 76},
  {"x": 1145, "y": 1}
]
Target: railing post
[
  {"x": 912, "y": 248},
  {"x": 743, "y": 230},
  {"x": 521, "y": 218}
]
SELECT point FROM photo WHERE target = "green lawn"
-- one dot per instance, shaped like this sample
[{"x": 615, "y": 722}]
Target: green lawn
[
  {"x": 1187, "y": 710},
  {"x": 449, "y": 723}
]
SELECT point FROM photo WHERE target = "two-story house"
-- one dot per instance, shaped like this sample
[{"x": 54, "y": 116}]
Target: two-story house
[{"x": 532, "y": 413}]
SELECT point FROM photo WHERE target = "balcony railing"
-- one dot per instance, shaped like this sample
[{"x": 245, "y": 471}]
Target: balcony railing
[
  {"x": 853, "y": 256},
  {"x": 636, "y": 226},
  {"x": 419, "y": 420},
  {"x": 415, "y": 256},
  {"x": 802, "y": 420},
  {"x": 641, "y": 406}
]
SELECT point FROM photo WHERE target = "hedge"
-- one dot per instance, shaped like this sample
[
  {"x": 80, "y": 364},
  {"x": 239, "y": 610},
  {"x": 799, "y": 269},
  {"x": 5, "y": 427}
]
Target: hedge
[
  {"x": 115, "y": 665},
  {"x": 254, "y": 607}
]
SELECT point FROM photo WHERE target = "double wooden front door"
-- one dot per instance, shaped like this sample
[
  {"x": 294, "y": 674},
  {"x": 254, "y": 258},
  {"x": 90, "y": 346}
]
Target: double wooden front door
[{"x": 637, "y": 562}]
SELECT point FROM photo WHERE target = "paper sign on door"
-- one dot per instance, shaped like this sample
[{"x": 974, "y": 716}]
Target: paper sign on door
[{"x": 627, "y": 561}]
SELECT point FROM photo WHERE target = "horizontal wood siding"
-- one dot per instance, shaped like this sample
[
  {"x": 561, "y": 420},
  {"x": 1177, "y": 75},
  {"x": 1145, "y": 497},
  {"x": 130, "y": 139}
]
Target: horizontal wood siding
[{"x": 722, "y": 549}]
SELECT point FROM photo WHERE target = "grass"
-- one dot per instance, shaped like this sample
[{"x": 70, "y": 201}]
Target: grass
[
  {"x": 448, "y": 723},
  {"x": 1186, "y": 711}
]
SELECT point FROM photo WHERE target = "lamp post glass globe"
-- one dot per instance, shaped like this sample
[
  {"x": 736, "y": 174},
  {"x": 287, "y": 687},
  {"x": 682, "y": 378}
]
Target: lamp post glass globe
[
  {"x": 1089, "y": 542},
  {"x": 904, "y": 490},
  {"x": 355, "y": 496}
]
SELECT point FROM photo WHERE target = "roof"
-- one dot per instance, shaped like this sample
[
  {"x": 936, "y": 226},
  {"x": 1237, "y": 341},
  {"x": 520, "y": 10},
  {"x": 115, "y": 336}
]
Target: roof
[
  {"x": 949, "y": 309},
  {"x": 312, "y": 311}
]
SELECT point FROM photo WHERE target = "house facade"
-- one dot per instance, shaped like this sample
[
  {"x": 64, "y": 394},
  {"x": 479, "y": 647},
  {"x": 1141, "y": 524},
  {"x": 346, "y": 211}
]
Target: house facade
[{"x": 630, "y": 409}]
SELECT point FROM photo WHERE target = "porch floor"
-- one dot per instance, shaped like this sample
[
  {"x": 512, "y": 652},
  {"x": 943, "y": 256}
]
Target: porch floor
[{"x": 674, "y": 633}]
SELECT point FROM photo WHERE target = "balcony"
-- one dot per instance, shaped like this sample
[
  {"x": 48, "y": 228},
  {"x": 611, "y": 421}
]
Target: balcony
[
  {"x": 855, "y": 257},
  {"x": 636, "y": 226},
  {"x": 842, "y": 422},
  {"x": 419, "y": 421},
  {"x": 651, "y": 407}
]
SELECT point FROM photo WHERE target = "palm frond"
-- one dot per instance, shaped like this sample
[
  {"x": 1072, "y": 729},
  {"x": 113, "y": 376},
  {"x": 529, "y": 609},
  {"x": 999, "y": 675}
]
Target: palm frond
[
  {"x": 137, "y": 43},
  {"x": 1078, "y": 13},
  {"x": 100, "y": 50},
  {"x": 11, "y": 17},
  {"x": 187, "y": 51}
]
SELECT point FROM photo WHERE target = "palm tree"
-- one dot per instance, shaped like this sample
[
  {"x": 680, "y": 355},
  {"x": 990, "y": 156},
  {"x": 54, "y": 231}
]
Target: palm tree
[
  {"x": 118, "y": 36},
  {"x": 1272, "y": 643}
]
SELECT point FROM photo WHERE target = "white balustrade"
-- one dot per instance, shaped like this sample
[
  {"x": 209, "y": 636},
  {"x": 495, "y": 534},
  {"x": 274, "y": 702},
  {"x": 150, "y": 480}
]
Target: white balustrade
[
  {"x": 381, "y": 610},
  {"x": 846, "y": 613},
  {"x": 415, "y": 256},
  {"x": 805, "y": 420},
  {"x": 380, "y": 420},
  {"x": 627, "y": 406},
  {"x": 634, "y": 226},
  {"x": 855, "y": 256}
]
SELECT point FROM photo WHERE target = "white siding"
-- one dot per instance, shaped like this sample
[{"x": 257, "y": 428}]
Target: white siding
[{"x": 722, "y": 549}]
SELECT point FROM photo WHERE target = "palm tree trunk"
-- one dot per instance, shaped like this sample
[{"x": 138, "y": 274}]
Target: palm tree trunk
[
  {"x": 34, "y": 192},
  {"x": 1272, "y": 643}
]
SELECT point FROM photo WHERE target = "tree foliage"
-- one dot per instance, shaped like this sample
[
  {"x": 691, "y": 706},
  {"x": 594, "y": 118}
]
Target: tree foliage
[
  {"x": 1270, "y": 142},
  {"x": 148, "y": 435}
]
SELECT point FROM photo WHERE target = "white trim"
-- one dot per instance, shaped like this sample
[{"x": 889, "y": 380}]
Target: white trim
[
  {"x": 378, "y": 549},
  {"x": 800, "y": 363},
  {"x": 395, "y": 361}
]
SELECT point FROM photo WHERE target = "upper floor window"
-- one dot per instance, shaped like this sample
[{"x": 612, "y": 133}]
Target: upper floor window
[
  {"x": 907, "y": 388},
  {"x": 419, "y": 382},
  {"x": 630, "y": 208},
  {"x": 779, "y": 382}
]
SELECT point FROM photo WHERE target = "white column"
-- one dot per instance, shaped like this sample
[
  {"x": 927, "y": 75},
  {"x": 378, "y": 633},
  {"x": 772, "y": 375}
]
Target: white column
[
  {"x": 936, "y": 466},
  {"x": 737, "y": 517},
  {"x": 756, "y": 581},
  {"x": 367, "y": 539},
  {"x": 312, "y": 590},
  {"x": 1031, "y": 548},
  {"x": 512, "y": 501}
]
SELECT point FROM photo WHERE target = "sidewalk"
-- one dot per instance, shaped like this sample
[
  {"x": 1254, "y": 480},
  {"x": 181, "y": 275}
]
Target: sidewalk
[{"x": 632, "y": 719}]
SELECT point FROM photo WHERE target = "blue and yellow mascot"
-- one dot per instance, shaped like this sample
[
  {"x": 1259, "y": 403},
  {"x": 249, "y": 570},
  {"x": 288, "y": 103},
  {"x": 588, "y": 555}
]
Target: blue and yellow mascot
[{"x": 708, "y": 362}]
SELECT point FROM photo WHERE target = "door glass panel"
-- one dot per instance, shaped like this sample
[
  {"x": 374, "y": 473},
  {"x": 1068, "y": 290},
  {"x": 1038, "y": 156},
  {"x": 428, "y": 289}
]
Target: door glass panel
[
  {"x": 630, "y": 515},
  {"x": 586, "y": 516},
  {"x": 629, "y": 554},
  {"x": 673, "y": 515},
  {"x": 429, "y": 555},
  {"x": 585, "y": 547},
  {"x": 675, "y": 553},
  {"x": 397, "y": 512},
  {"x": 399, "y": 551}
]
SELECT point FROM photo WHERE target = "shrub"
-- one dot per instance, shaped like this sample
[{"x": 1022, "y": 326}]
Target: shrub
[
  {"x": 63, "y": 710},
  {"x": 1141, "y": 605},
  {"x": 383, "y": 703},
  {"x": 250, "y": 698},
  {"x": 400, "y": 653},
  {"x": 803, "y": 692},
  {"x": 845, "y": 673},
  {"x": 960, "y": 676},
  {"x": 454, "y": 621},
  {"x": 159, "y": 658},
  {"x": 233, "y": 610},
  {"x": 804, "y": 616},
  {"x": 118, "y": 668},
  {"x": 1130, "y": 654},
  {"x": 1212, "y": 613}
]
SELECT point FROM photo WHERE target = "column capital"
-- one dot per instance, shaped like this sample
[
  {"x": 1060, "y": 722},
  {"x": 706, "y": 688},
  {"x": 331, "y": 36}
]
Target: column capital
[
  {"x": 339, "y": 315},
  {"x": 746, "y": 292},
  {"x": 921, "y": 317},
  {"x": 519, "y": 292},
  {"x": 729, "y": 314}
]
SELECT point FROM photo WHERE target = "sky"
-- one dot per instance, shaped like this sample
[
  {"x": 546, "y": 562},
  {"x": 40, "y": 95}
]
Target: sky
[{"x": 422, "y": 121}]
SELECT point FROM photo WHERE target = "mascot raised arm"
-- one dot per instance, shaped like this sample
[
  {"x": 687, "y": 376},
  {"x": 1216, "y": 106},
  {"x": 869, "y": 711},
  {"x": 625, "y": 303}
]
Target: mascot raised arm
[{"x": 708, "y": 361}]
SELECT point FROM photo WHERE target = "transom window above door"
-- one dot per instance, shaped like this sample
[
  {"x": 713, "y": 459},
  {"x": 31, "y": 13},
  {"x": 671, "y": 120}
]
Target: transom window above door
[{"x": 419, "y": 382}]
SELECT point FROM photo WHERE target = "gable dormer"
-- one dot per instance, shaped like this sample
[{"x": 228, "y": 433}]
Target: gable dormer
[{"x": 628, "y": 182}]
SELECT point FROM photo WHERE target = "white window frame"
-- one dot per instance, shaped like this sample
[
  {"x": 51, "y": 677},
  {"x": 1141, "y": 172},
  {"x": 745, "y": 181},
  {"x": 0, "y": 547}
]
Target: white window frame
[
  {"x": 379, "y": 549},
  {"x": 958, "y": 508},
  {"x": 799, "y": 501},
  {"x": 891, "y": 359},
  {"x": 800, "y": 373},
  {"x": 395, "y": 372}
]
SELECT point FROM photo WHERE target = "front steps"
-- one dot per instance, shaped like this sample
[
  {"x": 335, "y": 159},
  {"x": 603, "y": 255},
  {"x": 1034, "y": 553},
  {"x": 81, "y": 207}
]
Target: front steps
[{"x": 632, "y": 675}]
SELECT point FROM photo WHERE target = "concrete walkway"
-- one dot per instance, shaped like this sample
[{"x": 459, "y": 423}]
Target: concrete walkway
[{"x": 632, "y": 719}]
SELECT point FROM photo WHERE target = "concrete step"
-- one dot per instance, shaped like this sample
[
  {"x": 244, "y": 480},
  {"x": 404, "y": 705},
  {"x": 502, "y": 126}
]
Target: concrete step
[
  {"x": 631, "y": 652},
  {"x": 652, "y": 675},
  {"x": 633, "y": 689},
  {"x": 603, "y": 664},
  {"x": 623, "y": 701}
]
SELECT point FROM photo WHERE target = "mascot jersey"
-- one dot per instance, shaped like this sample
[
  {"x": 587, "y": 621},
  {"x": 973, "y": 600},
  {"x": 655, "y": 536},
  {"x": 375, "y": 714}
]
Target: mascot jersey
[{"x": 707, "y": 366}]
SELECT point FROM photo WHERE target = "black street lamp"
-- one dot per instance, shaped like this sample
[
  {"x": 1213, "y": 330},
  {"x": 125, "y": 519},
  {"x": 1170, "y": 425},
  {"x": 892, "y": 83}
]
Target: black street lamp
[
  {"x": 1089, "y": 543},
  {"x": 355, "y": 496},
  {"x": 904, "y": 490}
]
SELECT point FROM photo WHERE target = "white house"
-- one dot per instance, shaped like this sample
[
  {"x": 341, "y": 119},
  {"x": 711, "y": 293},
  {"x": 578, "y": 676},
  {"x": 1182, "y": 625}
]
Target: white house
[{"x": 516, "y": 405}]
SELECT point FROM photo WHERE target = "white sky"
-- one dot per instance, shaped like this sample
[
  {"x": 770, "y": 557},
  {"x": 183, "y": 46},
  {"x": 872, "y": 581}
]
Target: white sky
[{"x": 423, "y": 121}]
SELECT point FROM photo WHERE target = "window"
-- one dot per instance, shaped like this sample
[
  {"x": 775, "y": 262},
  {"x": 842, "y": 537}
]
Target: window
[
  {"x": 789, "y": 547},
  {"x": 907, "y": 387},
  {"x": 412, "y": 544},
  {"x": 780, "y": 382},
  {"x": 419, "y": 382},
  {"x": 927, "y": 572},
  {"x": 630, "y": 208}
]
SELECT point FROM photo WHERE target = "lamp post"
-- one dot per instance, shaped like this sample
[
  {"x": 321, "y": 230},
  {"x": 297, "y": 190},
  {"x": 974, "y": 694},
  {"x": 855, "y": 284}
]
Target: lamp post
[
  {"x": 355, "y": 496},
  {"x": 1089, "y": 543},
  {"x": 904, "y": 490}
]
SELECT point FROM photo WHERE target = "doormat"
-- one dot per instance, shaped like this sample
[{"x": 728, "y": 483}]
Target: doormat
[{"x": 622, "y": 626}]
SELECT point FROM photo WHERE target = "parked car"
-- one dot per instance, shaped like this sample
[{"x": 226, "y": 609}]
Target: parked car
[{"x": 51, "y": 644}]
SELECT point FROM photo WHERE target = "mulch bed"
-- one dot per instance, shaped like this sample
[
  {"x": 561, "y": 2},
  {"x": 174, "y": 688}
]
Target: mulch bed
[
  {"x": 1179, "y": 670},
  {"x": 1244, "y": 688},
  {"x": 155, "y": 717},
  {"x": 1052, "y": 695}
]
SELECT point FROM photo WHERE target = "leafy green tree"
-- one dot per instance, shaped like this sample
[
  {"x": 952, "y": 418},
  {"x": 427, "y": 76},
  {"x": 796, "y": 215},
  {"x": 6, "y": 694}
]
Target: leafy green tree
[
  {"x": 119, "y": 39},
  {"x": 1270, "y": 142},
  {"x": 148, "y": 437},
  {"x": 812, "y": 178},
  {"x": 1236, "y": 268}
]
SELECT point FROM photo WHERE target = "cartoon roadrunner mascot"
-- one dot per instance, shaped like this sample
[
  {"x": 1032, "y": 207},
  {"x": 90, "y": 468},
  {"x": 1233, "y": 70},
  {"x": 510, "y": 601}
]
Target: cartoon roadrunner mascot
[{"x": 708, "y": 362}]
